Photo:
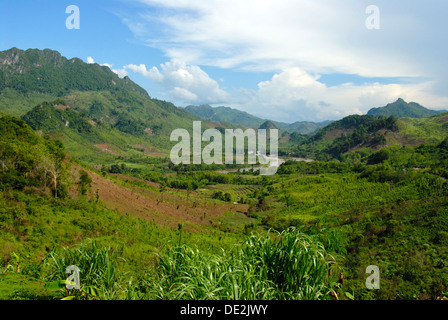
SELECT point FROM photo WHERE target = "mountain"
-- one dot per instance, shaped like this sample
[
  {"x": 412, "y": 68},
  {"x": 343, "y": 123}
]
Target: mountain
[
  {"x": 370, "y": 132},
  {"x": 401, "y": 108},
  {"x": 225, "y": 114},
  {"x": 241, "y": 118},
  {"x": 268, "y": 125},
  {"x": 86, "y": 105}
]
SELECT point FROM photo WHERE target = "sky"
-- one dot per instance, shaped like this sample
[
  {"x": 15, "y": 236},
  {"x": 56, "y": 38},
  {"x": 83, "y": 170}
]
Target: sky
[{"x": 284, "y": 60}]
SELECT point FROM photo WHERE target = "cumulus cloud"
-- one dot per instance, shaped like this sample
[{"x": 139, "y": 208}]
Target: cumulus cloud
[
  {"x": 120, "y": 72},
  {"x": 90, "y": 60},
  {"x": 294, "y": 95},
  {"x": 187, "y": 83},
  {"x": 317, "y": 36},
  {"x": 296, "y": 41},
  {"x": 138, "y": 69}
]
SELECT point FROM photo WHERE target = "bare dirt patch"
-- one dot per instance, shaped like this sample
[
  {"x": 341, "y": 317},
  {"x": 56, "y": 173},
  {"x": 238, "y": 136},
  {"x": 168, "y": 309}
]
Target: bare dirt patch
[
  {"x": 150, "y": 151},
  {"x": 168, "y": 208},
  {"x": 109, "y": 148},
  {"x": 403, "y": 139},
  {"x": 61, "y": 107},
  {"x": 149, "y": 131},
  {"x": 337, "y": 133}
]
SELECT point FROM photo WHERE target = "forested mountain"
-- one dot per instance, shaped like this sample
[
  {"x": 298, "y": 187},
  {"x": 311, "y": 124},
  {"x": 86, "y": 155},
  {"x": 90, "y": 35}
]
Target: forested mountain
[
  {"x": 86, "y": 97},
  {"x": 401, "y": 108},
  {"x": 245, "y": 119}
]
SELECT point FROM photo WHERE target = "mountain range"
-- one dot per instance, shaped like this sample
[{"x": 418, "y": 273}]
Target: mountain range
[
  {"x": 87, "y": 106},
  {"x": 399, "y": 109},
  {"x": 100, "y": 116},
  {"x": 242, "y": 118}
]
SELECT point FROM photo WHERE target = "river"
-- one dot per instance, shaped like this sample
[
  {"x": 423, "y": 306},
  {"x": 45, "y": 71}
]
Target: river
[{"x": 280, "y": 162}]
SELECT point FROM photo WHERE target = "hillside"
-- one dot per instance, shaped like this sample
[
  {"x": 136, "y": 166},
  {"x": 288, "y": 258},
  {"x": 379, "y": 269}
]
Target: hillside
[
  {"x": 122, "y": 226},
  {"x": 241, "y": 118},
  {"x": 370, "y": 133},
  {"x": 85, "y": 181},
  {"x": 401, "y": 108},
  {"x": 225, "y": 114},
  {"x": 96, "y": 107}
]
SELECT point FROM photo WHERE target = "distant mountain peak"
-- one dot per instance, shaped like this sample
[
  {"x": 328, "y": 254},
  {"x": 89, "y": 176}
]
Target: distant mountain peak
[
  {"x": 401, "y": 109},
  {"x": 268, "y": 125}
]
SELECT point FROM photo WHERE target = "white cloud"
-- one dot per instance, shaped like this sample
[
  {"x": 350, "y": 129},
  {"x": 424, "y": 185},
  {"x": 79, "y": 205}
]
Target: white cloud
[
  {"x": 294, "y": 95},
  {"x": 187, "y": 83},
  {"x": 138, "y": 69},
  {"x": 298, "y": 40},
  {"x": 120, "y": 72},
  {"x": 317, "y": 36},
  {"x": 184, "y": 94}
]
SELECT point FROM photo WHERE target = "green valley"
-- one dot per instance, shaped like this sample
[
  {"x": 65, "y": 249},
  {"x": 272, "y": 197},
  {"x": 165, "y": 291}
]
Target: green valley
[{"x": 86, "y": 181}]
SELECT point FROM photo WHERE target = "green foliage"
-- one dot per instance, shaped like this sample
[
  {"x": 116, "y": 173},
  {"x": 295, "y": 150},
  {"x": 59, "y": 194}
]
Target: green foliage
[
  {"x": 291, "y": 265},
  {"x": 98, "y": 267},
  {"x": 27, "y": 159},
  {"x": 129, "y": 125},
  {"x": 366, "y": 132},
  {"x": 85, "y": 182},
  {"x": 48, "y": 72},
  {"x": 356, "y": 131},
  {"x": 378, "y": 157},
  {"x": 46, "y": 117}
]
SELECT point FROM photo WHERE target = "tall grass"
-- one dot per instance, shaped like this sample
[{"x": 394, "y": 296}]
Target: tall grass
[
  {"x": 98, "y": 268},
  {"x": 287, "y": 265},
  {"x": 295, "y": 262}
]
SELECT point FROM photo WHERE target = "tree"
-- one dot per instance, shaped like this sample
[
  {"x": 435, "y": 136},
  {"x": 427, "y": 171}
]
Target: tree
[
  {"x": 85, "y": 182},
  {"x": 55, "y": 171},
  {"x": 378, "y": 157}
]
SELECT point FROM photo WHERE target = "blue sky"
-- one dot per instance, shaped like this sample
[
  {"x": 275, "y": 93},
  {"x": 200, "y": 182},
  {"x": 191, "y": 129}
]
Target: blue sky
[{"x": 286, "y": 60}]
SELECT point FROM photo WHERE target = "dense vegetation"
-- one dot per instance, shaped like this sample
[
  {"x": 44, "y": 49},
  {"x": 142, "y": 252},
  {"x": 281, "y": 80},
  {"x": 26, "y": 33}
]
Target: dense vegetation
[
  {"x": 28, "y": 160},
  {"x": 341, "y": 136},
  {"x": 46, "y": 71},
  {"x": 387, "y": 208}
]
